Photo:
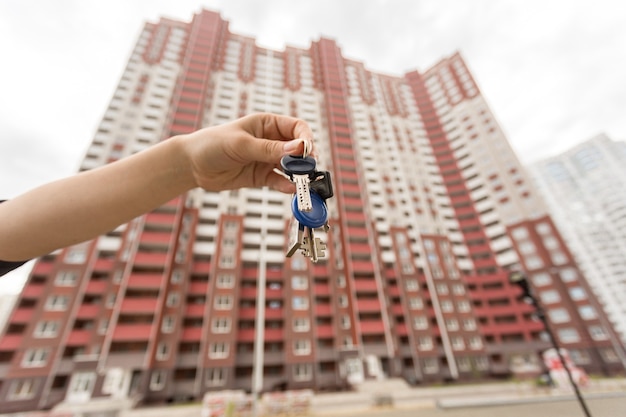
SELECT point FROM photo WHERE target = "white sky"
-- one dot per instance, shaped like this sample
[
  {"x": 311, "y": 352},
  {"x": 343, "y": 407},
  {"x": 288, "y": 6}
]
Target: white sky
[{"x": 552, "y": 71}]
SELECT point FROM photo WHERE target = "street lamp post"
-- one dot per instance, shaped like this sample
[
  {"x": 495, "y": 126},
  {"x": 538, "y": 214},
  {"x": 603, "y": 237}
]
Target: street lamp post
[{"x": 519, "y": 278}]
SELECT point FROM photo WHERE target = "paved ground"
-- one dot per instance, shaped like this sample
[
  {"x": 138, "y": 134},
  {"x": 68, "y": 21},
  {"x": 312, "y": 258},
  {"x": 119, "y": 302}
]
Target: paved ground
[{"x": 604, "y": 398}]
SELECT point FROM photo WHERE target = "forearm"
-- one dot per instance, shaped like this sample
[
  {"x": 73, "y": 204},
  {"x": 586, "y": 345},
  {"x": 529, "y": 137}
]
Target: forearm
[{"x": 81, "y": 207}]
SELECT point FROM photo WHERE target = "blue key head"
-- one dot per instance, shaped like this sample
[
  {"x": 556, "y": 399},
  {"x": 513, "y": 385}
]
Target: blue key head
[
  {"x": 297, "y": 165},
  {"x": 317, "y": 217}
]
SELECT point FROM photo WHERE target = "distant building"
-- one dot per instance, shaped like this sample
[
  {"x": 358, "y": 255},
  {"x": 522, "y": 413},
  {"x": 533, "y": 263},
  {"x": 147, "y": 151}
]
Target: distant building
[
  {"x": 7, "y": 301},
  {"x": 432, "y": 209},
  {"x": 585, "y": 188}
]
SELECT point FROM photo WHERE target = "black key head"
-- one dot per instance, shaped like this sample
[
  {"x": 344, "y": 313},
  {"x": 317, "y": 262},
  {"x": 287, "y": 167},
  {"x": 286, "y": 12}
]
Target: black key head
[
  {"x": 322, "y": 184},
  {"x": 297, "y": 165}
]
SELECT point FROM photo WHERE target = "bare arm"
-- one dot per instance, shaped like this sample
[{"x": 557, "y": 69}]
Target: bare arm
[{"x": 65, "y": 212}]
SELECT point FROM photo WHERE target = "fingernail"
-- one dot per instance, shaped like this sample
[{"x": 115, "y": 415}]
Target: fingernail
[{"x": 291, "y": 145}]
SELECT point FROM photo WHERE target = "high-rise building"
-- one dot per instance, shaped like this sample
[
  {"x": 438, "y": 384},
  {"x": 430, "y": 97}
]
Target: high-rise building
[
  {"x": 431, "y": 211},
  {"x": 585, "y": 188}
]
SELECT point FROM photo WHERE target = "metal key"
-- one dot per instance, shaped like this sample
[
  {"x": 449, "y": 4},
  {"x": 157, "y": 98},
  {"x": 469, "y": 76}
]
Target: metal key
[
  {"x": 300, "y": 170},
  {"x": 296, "y": 236},
  {"x": 315, "y": 246}
]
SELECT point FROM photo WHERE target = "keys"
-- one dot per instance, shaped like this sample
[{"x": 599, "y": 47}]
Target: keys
[
  {"x": 308, "y": 206},
  {"x": 300, "y": 170}
]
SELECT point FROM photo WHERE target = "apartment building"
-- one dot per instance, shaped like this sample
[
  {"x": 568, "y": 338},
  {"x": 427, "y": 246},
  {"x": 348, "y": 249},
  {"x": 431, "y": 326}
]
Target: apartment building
[
  {"x": 585, "y": 188},
  {"x": 432, "y": 209}
]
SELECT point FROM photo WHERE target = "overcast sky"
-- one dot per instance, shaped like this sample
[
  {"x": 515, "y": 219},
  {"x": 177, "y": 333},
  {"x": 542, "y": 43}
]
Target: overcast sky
[{"x": 552, "y": 71}]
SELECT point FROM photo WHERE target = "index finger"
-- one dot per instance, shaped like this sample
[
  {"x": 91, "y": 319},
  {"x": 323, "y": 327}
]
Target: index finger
[{"x": 277, "y": 127}]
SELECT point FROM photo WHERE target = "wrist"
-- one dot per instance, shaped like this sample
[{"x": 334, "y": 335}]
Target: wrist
[{"x": 182, "y": 166}]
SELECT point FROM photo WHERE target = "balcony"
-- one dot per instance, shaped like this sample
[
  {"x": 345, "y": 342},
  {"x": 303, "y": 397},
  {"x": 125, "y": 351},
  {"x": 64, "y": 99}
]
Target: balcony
[
  {"x": 198, "y": 288},
  {"x": 372, "y": 327},
  {"x": 42, "y": 268},
  {"x": 247, "y": 313},
  {"x": 245, "y": 335},
  {"x": 32, "y": 291},
  {"x": 96, "y": 287},
  {"x": 131, "y": 332},
  {"x": 79, "y": 337},
  {"x": 363, "y": 267},
  {"x": 325, "y": 331},
  {"x": 323, "y": 310},
  {"x": 195, "y": 310},
  {"x": 88, "y": 311},
  {"x": 156, "y": 238},
  {"x": 274, "y": 335},
  {"x": 10, "y": 341},
  {"x": 163, "y": 219},
  {"x": 365, "y": 286},
  {"x": 150, "y": 259},
  {"x": 368, "y": 306},
  {"x": 22, "y": 315},
  {"x": 322, "y": 289},
  {"x": 150, "y": 281},
  {"x": 192, "y": 334},
  {"x": 139, "y": 305}
]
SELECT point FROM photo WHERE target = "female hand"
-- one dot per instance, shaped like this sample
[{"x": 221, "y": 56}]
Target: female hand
[{"x": 243, "y": 153}]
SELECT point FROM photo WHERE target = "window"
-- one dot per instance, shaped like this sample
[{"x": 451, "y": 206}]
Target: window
[
  {"x": 300, "y": 303},
  {"x": 442, "y": 289},
  {"x": 227, "y": 261},
  {"x": 111, "y": 300},
  {"x": 541, "y": 279},
  {"x": 46, "y": 329},
  {"x": 457, "y": 343},
  {"x": 216, "y": 377},
  {"x": 57, "y": 302},
  {"x": 447, "y": 306},
  {"x": 167, "y": 326},
  {"x": 162, "y": 351},
  {"x": 82, "y": 383},
  {"x": 303, "y": 372},
  {"x": 469, "y": 324},
  {"x": 587, "y": 312},
  {"x": 533, "y": 262},
  {"x": 559, "y": 315},
  {"x": 301, "y": 324},
  {"x": 225, "y": 281},
  {"x": 558, "y": 257},
  {"x": 598, "y": 333},
  {"x": 104, "y": 326},
  {"x": 411, "y": 285},
  {"x": 172, "y": 299},
  {"x": 341, "y": 281},
  {"x": 34, "y": 358},
  {"x": 343, "y": 301},
  {"x": 420, "y": 322},
  {"x": 157, "y": 380},
  {"x": 520, "y": 233},
  {"x": 66, "y": 278},
  {"x": 22, "y": 389},
  {"x": 425, "y": 343},
  {"x": 464, "y": 364},
  {"x": 302, "y": 347},
  {"x": 177, "y": 276},
  {"x": 568, "y": 275},
  {"x": 463, "y": 306},
  {"x": 550, "y": 297},
  {"x": 218, "y": 350},
  {"x": 430, "y": 366},
  {"x": 458, "y": 289},
  {"x": 76, "y": 254},
  {"x": 416, "y": 303},
  {"x": 543, "y": 228},
  {"x": 577, "y": 294},
  {"x": 298, "y": 264},
  {"x": 568, "y": 335},
  {"x": 475, "y": 342},
  {"x": 221, "y": 325},
  {"x": 345, "y": 322},
  {"x": 223, "y": 302},
  {"x": 299, "y": 282},
  {"x": 452, "y": 324}
]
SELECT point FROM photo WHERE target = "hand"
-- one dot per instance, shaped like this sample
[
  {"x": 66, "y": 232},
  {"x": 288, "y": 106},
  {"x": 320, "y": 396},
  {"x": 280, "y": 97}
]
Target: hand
[{"x": 243, "y": 153}]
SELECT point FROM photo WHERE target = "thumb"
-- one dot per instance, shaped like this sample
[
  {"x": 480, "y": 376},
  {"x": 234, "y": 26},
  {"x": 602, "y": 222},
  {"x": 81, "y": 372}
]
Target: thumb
[{"x": 271, "y": 151}]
